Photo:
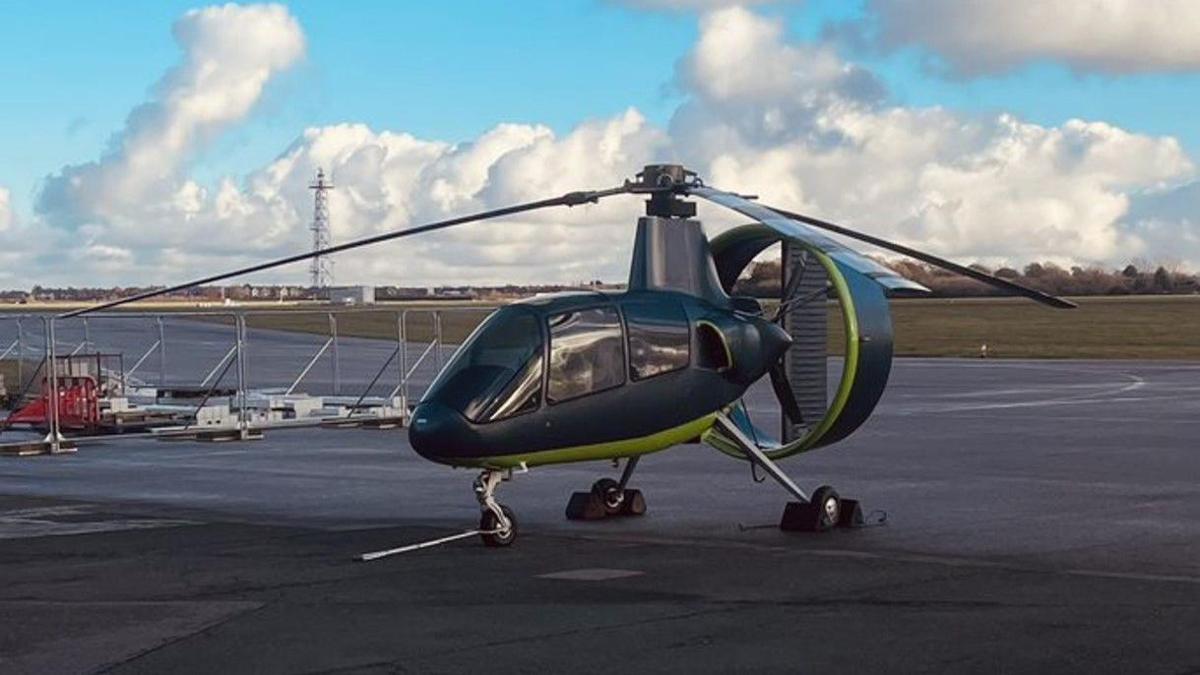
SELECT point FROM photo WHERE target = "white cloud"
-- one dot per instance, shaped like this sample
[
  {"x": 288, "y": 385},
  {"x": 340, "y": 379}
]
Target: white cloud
[
  {"x": 989, "y": 188},
  {"x": 789, "y": 121},
  {"x": 1168, "y": 222},
  {"x": 103, "y": 258},
  {"x": 230, "y": 53},
  {"x": 988, "y": 36},
  {"x": 387, "y": 180},
  {"x": 15, "y": 245},
  {"x": 6, "y": 214},
  {"x": 740, "y": 55}
]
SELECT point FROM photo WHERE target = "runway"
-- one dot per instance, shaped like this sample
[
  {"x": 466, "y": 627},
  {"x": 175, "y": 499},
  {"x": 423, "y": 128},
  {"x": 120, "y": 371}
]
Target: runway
[{"x": 1041, "y": 515}]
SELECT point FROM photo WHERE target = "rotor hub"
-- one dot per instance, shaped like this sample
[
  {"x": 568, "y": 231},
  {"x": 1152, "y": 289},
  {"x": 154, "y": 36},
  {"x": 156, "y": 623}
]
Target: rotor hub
[{"x": 665, "y": 183}]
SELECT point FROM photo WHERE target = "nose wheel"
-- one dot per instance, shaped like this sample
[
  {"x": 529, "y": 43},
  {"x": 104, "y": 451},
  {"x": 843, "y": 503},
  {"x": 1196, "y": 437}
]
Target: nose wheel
[
  {"x": 494, "y": 532},
  {"x": 497, "y": 523}
]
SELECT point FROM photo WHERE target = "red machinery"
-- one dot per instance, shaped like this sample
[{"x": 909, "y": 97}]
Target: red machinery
[
  {"x": 78, "y": 406},
  {"x": 82, "y": 381}
]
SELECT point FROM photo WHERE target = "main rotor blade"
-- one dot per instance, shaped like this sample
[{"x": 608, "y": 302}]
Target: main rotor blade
[
  {"x": 790, "y": 227},
  {"x": 783, "y": 392},
  {"x": 569, "y": 199},
  {"x": 984, "y": 277}
]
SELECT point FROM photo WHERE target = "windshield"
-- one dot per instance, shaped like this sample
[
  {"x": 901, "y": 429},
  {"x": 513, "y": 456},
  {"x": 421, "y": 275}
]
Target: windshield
[{"x": 497, "y": 372}]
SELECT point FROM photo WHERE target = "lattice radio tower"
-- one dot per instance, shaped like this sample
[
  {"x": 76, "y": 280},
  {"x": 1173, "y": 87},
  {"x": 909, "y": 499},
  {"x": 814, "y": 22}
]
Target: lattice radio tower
[{"x": 321, "y": 269}]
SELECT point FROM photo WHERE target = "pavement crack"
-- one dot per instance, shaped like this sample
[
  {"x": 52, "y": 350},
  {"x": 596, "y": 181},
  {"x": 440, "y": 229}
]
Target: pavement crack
[{"x": 108, "y": 668}]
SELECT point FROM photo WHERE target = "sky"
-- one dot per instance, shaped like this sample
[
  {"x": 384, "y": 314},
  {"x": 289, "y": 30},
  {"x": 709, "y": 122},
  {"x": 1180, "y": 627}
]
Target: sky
[{"x": 150, "y": 142}]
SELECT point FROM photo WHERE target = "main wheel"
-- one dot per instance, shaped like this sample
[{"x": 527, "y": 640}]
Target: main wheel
[
  {"x": 828, "y": 508},
  {"x": 489, "y": 522},
  {"x": 610, "y": 494}
]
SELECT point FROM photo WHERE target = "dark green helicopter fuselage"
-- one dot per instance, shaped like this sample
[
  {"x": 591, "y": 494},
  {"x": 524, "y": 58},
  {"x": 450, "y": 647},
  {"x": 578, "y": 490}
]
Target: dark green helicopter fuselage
[{"x": 590, "y": 375}]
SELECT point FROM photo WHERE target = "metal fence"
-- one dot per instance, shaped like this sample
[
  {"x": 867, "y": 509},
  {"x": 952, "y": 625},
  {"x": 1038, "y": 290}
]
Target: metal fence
[{"x": 180, "y": 359}]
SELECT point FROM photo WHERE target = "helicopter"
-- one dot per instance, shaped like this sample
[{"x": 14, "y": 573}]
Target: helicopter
[{"x": 588, "y": 376}]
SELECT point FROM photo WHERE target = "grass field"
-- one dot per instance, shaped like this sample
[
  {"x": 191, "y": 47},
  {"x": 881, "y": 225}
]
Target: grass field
[
  {"x": 458, "y": 320},
  {"x": 1128, "y": 327},
  {"x": 1101, "y": 328},
  {"x": 1144, "y": 327}
]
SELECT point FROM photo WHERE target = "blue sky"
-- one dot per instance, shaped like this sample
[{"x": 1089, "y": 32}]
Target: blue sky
[
  {"x": 450, "y": 72},
  {"x": 74, "y": 70}
]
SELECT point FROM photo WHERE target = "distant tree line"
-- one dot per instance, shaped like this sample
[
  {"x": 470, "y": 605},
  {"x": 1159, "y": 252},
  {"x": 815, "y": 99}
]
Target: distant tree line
[
  {"x": 763, "y": 279},
  {"x": 292, "y": 292}
]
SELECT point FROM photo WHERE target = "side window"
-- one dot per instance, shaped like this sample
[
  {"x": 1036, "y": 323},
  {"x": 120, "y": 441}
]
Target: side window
[
  {"x": 586, "y": 354},
  {"x": 658, "y": 338}
]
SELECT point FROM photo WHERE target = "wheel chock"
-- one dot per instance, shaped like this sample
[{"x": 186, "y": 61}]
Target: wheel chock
[
  {"x": 585, "y": 506},
  {"x": 804, "y": 517},
  {"x": 851, "y": 515},
  {"x": 799, "y": 517},
  {"x": 634, "y": 503}
]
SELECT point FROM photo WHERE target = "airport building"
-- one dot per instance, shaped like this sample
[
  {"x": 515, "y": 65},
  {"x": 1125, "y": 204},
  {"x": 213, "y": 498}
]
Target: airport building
[{"x": 352, "y": 295}]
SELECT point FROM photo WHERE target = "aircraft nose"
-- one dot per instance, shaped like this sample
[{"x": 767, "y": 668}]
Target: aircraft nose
[{"x": 435, "y": 429}]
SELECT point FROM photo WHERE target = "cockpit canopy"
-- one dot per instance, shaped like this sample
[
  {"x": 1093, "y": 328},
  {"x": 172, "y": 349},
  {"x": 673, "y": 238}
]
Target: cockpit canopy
[
  {"x": 497, "y": 372},
  {"x": 505, "y": 367}
]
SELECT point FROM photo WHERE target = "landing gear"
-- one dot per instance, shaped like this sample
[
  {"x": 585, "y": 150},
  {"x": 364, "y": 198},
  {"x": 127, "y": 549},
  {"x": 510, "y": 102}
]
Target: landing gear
[
  {"x": 610, "y": 494},
  {"x": 822, "y": 512},
  {"x": 608, "y": 498},
  {"x": 828, "y": 506},
  {"x": 497, "y": 524},
  {"x": 493, "y": 532}
]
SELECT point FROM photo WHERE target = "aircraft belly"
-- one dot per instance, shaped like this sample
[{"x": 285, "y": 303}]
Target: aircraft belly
[
  {"x": 635, "y": 418},
  {"x": 626, "y": 447}
]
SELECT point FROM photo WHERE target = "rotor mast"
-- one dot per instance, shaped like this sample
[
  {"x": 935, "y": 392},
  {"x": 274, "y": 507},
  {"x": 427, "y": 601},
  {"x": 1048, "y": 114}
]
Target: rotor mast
[{"x": 670, "y": 251}]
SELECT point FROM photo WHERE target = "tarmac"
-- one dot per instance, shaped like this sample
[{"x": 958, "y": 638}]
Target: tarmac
[{"x": 1040, "y": 516}]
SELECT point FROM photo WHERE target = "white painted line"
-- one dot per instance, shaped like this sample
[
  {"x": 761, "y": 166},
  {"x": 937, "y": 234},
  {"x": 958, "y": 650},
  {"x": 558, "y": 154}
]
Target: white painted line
[
  {"x": 1110, "y": 394},
  {"x": 43, "y": 512},
  {"x": 42, "y": 522},
  {"x": 30, "y": 528},
  {"x": 1135, "y": 576},
  {"x": 591, "y": 574}
]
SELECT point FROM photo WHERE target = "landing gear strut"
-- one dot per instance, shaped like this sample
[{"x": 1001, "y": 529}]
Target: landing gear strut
[
  {"x": 497, "y": 524},
  {"x": 608, "y": 497},
  {"x": 822, "y": 512}
]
